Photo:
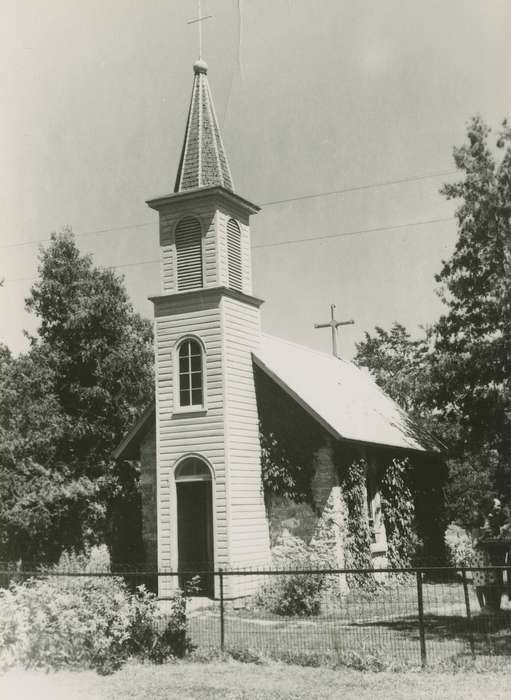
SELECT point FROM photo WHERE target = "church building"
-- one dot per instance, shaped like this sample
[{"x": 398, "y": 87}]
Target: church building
[{"x": 225, "y": 392}]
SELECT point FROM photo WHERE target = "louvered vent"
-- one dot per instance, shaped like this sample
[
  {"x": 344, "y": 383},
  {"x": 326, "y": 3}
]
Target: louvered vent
[
  {"x": 189, "y": 254},
  {"x": 234, "y": 255}
]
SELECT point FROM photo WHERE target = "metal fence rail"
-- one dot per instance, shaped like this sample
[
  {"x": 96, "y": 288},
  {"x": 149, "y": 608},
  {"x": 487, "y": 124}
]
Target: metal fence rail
[{"x": 410, "y": 616}]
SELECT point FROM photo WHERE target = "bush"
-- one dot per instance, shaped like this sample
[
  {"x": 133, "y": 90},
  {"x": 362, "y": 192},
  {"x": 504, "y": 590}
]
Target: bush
[
  {"x": 460, "y": 551},
  {"x": 86, "y": 623},
  {"x": 293, "y": 594},
  {"x": 148, "y": 641}
]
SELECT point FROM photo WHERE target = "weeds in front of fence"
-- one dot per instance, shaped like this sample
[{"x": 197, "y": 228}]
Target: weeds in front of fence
[{"x": 413, "y": 618}]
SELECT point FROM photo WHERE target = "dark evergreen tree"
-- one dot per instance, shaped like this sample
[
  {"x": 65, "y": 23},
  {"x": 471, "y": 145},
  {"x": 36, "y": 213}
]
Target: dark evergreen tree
[{"x": 66, "y": 403}]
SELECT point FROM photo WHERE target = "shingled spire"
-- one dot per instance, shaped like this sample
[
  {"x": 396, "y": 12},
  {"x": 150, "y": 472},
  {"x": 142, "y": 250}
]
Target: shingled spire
[{"x": 203, "y": 160}]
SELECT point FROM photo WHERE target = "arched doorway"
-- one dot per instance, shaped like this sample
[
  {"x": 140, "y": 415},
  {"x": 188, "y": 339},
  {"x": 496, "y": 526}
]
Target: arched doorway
[{"x": 195, "y": 523}]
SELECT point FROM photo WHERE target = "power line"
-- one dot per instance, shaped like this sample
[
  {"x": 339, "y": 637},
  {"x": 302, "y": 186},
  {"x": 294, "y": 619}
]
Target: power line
[
  {"x": 106, "y": 267},
  {"x": 357, "y": 232},
  {"x": 374, "y": 185},
  {"x": 354, "y": 233},
  {"x": 357, "y": 188},
  {"x": 79, "y": 235}
]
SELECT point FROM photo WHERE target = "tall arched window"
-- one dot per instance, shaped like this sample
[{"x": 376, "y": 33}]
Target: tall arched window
[
  {"x": 234, "y": 255},
  {"x": 189, "y": 254},
  {"x": 191, "y": 385}
]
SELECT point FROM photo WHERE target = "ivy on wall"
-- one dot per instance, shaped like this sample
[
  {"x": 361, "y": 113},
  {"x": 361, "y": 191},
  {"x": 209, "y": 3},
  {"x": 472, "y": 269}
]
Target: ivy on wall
[
  {"x": 353, "y": 481},
  {"x": 398, "y": 506},
  {"x": 289, "y": 439}
]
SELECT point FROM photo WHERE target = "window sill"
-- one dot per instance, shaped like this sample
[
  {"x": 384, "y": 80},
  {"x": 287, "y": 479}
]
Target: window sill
[
  {"x": 378, "y": 548},
  {"x": 190, "y": 411}
]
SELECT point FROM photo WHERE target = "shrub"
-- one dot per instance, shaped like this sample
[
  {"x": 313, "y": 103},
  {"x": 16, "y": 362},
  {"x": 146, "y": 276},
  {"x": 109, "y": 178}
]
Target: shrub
[
  {"x": 293, "y": 594},
  {"x": 156, "y": 636},
  {"x": 59, "y": 622},
  {"x": 460, "y": 551},
  {"x": 52, "y": 623}
]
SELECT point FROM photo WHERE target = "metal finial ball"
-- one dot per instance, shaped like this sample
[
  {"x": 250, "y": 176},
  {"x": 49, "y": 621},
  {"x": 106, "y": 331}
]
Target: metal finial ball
[{"x": 200, "y": 66}]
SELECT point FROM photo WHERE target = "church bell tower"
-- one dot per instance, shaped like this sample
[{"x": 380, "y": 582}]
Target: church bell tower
[{"x": 207, "y": 324}]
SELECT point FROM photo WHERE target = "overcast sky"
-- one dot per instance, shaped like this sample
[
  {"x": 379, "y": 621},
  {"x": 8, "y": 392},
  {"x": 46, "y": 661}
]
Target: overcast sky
[{"x": 312, "y": 96}]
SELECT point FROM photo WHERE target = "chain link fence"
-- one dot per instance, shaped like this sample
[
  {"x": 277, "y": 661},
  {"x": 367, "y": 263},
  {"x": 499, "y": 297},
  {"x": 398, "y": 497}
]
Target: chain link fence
[{"x": 409, "y": 616}]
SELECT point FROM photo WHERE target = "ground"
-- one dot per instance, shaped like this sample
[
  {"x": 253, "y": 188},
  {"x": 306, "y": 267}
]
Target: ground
[
  {"x": 383, "y": 624},
  {"x": 235, "y": 680}
]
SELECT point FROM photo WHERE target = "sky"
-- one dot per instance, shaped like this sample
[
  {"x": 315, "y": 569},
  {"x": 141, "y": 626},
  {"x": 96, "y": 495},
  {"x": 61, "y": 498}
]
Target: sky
[{"x": 313, "y": 96}]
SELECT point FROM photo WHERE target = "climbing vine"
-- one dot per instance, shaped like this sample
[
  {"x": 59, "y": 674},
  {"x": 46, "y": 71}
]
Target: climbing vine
[
  {"x": 289, "y": 439},
  {"x": 358, "y": 535},
  {"x": 283, "y": 474},
  {"x": 399, "y": 514}
]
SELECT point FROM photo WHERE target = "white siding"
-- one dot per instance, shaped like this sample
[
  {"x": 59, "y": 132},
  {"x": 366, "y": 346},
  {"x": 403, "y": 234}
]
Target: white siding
[
  {"x": 249, "y": 539},
  {"x": 226, "y": 433},
  {"x": 182, "y": 433}
]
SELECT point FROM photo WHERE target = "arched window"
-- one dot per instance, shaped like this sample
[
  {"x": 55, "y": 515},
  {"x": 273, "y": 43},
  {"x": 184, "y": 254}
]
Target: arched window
[
  {"x": 191, "y": 385},
  {"x": 189, "y": 254},
  {"x": 234, "y": 255},
  {"x": 192, "y": 469}
]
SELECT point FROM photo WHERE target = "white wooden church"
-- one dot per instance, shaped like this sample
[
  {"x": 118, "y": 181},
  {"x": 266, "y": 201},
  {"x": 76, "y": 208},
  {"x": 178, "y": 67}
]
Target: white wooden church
[{"x": 199, "y": 445}]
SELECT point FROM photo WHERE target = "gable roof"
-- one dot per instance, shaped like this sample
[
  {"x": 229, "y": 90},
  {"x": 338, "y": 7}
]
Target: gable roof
[
  {"x": 340, "y": 396},
  {"x": 343, "y": 398},
  {"x": 203, "y": 161},
  {"x": 128, "y": 447}
]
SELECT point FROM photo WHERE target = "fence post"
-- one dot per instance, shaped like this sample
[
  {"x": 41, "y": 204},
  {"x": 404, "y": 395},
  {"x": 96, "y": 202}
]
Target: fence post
[
  {"x": 469, "y": 614},
  {"x": 422, "y": 633},
  {"x": 222, "y": 621}
]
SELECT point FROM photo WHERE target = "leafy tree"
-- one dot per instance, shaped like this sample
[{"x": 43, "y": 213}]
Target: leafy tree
[
  {"x": 66, "y": 403},
  {"x": 398, "y": 363},
  {"x": 473, "y": 337},
  {"x": 457, "y": 378}
]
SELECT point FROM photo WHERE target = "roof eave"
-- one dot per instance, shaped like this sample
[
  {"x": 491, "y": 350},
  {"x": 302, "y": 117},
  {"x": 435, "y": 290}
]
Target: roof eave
[
  {"x": 218, "y": 191},
  {"x": 324, "y": 423},
  {"x": 124, "y": 449}
]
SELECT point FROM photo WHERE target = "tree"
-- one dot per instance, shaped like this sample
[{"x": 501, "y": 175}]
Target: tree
[
  {"x": 473, "y": 338},
  {"x": 398, "y": 364},
  {"x": 66, "y": 403},
  {"x": 457, "y": 377}
]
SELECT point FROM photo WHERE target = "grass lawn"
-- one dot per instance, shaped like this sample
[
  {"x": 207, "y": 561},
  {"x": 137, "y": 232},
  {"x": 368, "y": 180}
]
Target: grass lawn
[
  {"x": 384, "y": 623},
  {"x": 232, "y": 679}
]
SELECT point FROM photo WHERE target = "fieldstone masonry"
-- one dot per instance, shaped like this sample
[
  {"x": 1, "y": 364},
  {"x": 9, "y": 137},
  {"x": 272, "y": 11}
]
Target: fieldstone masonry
[{"x": 303, "y": 532}]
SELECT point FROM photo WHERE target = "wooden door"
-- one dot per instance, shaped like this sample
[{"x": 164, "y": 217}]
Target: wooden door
[{"x": 195, "y": 533}]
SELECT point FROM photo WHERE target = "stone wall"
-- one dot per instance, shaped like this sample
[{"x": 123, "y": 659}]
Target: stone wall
[{"x": 315, "y": 531}]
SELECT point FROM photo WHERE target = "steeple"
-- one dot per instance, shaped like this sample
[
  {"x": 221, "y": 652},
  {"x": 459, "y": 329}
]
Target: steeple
[{"x": 203, "y": 161}]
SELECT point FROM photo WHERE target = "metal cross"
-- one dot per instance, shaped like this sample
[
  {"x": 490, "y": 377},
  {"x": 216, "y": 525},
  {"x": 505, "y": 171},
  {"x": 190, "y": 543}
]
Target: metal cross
[
  {"x": 334, "y": 325},
  {"x": 199, "y": 19}
]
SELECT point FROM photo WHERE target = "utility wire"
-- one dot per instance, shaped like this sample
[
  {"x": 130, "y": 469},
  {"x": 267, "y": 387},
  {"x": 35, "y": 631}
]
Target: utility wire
[
  {"x": 353, "y": 233},
  {"x": 309, "y": 239},
  {"x": 79, "y": 235},
  {"x": 356, "y": 188}
]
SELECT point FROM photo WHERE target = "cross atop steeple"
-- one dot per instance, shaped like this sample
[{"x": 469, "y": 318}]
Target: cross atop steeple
[
  {"x": 199, "y": 19},
  {"x": 334, "y": 325}
]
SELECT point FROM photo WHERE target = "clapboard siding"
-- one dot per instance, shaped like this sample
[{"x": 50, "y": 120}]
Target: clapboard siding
[
  {"x": 248, "y": 542},
  {"x": 225, "y": 433},
  {"x": 182, "y": 433}
]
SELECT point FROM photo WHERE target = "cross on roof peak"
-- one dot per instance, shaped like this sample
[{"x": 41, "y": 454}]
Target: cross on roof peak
[{"x": 334, "y": 325}]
